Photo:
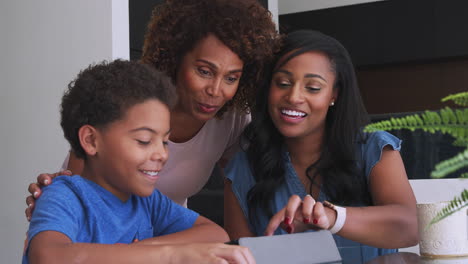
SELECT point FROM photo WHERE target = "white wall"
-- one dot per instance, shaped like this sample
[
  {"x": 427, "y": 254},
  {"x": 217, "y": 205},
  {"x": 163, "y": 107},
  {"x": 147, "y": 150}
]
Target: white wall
[
  {"x": 273, "y": 7},
  {"x": 43, "y": 45},
  {"x": 294, "y": 6}
]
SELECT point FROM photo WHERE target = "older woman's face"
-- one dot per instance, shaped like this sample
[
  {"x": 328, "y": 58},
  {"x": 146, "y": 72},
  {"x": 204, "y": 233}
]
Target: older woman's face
[
  {"x": 301, "y": 92},
  {"x": 207, "y": 78}
]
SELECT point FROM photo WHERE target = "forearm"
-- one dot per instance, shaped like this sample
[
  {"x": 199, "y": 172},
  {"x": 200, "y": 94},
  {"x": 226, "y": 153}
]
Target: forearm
[
  {"x": 99, "y": 253},
  {"x": 210, "y": 233},
  {"x": 52, "y": 247},
  {"x": 388, "y": 226}
]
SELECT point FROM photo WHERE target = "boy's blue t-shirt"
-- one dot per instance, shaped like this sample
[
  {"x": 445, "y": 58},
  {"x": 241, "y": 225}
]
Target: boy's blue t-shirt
[{"x": 86, "y": 212}]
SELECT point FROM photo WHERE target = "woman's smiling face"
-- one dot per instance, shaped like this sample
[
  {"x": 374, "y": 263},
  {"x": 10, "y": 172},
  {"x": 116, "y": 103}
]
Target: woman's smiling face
[
  {"x": 301, "y": 92},
  {"x": 207, "y": 78}
]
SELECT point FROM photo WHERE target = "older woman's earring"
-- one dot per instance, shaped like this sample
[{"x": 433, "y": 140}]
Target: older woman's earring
[{"x": 332, "y": 103}]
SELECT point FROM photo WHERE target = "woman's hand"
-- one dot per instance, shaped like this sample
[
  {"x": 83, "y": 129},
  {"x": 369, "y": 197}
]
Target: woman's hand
[
  {"x": 211, "y": 253},
  {"x": 34, "y": 189},
  {"x": 301, "y": 215}
]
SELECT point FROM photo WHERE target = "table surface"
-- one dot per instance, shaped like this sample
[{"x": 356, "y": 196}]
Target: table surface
[{"x": 412, "y": 258}]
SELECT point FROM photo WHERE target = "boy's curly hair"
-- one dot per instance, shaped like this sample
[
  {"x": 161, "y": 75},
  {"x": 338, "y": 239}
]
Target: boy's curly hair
[
  {"x": 244, "y": 26},
  {"x": 102, "y": 93}
]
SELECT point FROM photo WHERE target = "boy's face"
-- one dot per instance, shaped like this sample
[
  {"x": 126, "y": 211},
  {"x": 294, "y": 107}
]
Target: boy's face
[{"x": 131, "y": 151}]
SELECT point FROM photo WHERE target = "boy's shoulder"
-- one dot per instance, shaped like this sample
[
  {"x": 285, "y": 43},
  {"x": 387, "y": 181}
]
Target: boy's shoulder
[
  {"x": 81, "y": 187},
  {"x": 67, "y": 189},
  {"x": 66, "y": 182}
]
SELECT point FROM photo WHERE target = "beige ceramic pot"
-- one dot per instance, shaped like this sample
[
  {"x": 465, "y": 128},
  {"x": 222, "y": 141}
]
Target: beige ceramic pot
[{"x": 445, "y": 239}]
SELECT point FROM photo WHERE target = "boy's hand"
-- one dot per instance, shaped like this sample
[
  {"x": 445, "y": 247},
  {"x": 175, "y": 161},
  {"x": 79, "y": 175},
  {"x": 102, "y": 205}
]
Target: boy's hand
[
  {"x": 212, "y": 253},
  {"x": 34, "y": 189}
]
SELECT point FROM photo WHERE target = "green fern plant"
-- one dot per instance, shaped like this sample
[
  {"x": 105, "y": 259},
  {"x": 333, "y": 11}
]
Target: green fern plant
[{"x": 448, "y": 121}]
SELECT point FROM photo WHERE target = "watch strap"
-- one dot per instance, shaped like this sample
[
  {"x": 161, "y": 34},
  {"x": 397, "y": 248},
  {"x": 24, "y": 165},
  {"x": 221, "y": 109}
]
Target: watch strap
[{"x": 340, "y": 216}]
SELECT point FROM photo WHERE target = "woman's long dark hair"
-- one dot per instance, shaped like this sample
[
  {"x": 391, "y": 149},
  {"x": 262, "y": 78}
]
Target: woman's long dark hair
[{"x": 341, "y": 180}]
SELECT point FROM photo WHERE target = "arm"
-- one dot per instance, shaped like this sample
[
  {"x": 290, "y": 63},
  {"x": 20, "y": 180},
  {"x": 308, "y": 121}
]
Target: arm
[
  {"x": 235, "y": 222},
  {"x": 75, "y": 164},
  {"x": 53, "y": 247},
  {"x": 203, "y": 230},
  {"x": 392, "y": 219},
  {"x": 66, "y": 218}
]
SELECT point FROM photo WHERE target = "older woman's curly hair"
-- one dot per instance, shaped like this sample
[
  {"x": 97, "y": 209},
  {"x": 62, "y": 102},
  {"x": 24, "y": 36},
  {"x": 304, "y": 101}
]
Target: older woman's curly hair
[{"x": 244, "y": 26}]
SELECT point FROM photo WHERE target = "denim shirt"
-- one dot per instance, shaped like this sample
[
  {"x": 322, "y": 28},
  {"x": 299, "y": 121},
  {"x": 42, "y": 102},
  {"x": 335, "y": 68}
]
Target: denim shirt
[{"x": 369, "y": 153}]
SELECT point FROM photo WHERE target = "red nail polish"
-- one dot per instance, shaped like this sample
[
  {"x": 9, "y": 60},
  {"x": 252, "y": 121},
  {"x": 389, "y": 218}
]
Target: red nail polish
[
  {"x": 289, "y": 229},
  {"x": 287, "y": 220},
  {"x": 306, "y": 220},
  {"x": 315, "y": 221}
]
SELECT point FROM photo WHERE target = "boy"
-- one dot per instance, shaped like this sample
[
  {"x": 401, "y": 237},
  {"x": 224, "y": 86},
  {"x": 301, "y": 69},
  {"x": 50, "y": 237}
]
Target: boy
[{"x": 116, "y": 117}]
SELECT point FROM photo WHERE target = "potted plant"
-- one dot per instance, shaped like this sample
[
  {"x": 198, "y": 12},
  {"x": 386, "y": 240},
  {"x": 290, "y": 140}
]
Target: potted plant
[{"x": 447, "y": 120}]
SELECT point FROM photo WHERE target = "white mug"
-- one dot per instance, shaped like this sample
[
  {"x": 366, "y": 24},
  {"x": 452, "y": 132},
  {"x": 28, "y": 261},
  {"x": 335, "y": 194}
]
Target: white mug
[{"x": 446, "y": 238}]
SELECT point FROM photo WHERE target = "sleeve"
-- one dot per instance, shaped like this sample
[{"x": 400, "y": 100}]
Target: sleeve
[
  {"x": 240, "y": 121},
  {"x": 239, "y": 173},
  {"x": 169, "y": 217},
  {"x": 372, "y": 149},
  {"x": 58, "y": 209}
]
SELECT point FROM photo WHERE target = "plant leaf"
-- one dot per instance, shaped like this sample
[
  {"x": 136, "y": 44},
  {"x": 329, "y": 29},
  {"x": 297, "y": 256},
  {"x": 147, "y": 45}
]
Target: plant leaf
[
  {"x": 459, "y": 98},
  {"x": 456, "y": 204},
  {"x": 448, "y": 166},
  {"x": 447, "y": 121}
]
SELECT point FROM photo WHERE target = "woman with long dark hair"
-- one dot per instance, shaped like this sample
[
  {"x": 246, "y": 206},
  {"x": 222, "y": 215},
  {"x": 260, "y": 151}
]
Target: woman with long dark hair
[{"x": 305, "y": 151}]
